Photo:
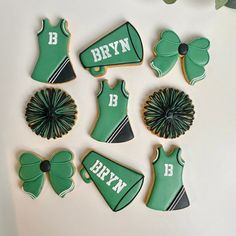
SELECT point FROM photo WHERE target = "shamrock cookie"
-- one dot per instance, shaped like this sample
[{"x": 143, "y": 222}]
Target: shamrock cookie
[
  {"x": 122, "y": 46},
  {"x": 51, "y": 113},
  {"x": 53, "y": 65},
  {"x": 168, "y": 192},
  {"x": 113, "y": 123},
  {"x": 60, "y": 171},
  {"x": 169, "y": 113},
  {"x": 194, "y": 56},
  {"x": 117, "y": 184}
]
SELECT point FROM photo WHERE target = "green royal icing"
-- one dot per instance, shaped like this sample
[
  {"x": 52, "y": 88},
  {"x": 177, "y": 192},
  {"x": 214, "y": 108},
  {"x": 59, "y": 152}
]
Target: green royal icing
[
  {"x": 117, "y": 184},
  {"x": 60, "y": 173},
  {"x": 121, "y": 46},
  {"x": 53, "y": 65},
  {"x": 168, "y": 192},
  {"x": 167, "y": 54},
  {"x": 112, "y": 124}
]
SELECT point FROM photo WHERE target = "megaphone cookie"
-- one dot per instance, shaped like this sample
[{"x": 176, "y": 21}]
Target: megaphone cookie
[
  {"x": 118, "y": 185},
  {"x": 53, "y": 65},
  {"x": 194, "y": 56},
  {"x": 168, "y": 192},
  {"x": 59, "y": 169},
  {"x": 122, "y": 46}
]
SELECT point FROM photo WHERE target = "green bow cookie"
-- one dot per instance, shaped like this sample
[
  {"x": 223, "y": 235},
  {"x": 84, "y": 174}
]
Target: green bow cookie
[
  {"x": 60, "y": 170},
  {"x": 194, "y": 56}
]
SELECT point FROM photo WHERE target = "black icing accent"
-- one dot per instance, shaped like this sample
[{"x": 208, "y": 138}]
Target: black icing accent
[
  {"x": 66, "y": 74},
  {"x": 45, "y": 166},
  {"x": 182, "y": 203},
  {"x": 183, "y": 49},
  {"x": 124, "y": 135},
  {"x": 61, "y": 26}
]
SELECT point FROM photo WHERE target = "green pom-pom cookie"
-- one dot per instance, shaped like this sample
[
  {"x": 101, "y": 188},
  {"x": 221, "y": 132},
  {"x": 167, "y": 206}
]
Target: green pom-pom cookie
[
  {"x": 169, "y": 113},
  {"x": 51, "y": 113}
]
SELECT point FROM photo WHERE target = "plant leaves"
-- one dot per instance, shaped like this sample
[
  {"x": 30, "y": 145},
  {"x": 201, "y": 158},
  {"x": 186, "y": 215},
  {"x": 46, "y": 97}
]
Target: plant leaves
[
  {"x": 169, "y": 1},
  {"x": 220, "y": 3}
]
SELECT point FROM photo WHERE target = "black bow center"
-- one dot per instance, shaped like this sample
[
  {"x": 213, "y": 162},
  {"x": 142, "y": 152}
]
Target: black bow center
[
  {"x": 45, "y": 166},
  {"x": 183, "y": 49}
]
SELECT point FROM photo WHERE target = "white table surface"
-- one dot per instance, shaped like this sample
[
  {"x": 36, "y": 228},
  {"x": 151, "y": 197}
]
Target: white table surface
[{"x": 208, "y": 148}]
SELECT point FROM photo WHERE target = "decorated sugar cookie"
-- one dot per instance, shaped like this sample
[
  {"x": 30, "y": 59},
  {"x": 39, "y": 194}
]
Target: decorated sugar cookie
[
  {"x": 59, "y": 169},
  {"x": 113, "y": 124},
  {"x": 228, "y": 3},
  {"x": 122, "y": 46},
  {"x": 169, "y": 113},
  {"x": 117, "y": 184},
  {"x": 194, "y": 56},
  {"x": 168, "y": 192},
  {"x": 53, "y": 65},
  {"x": 51, "y": 113}
]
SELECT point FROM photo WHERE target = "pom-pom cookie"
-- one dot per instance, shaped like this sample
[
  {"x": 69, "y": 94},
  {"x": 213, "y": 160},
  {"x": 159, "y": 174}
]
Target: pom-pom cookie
[
  {"x": 51, "y": 113},
  {"x": 169, "y": 113}
]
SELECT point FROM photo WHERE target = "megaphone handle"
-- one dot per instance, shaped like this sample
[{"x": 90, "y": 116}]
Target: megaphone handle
[
  {"x": 83, "y": 173},
  {"x": 97, "y": 71}
]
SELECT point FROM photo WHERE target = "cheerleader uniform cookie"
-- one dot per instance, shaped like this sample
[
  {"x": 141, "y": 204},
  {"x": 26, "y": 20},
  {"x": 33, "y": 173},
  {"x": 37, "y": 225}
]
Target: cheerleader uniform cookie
[
  {"x": 113, "y": 123},
  {"x": 53, "y": 65},
  {"x": 168, "y": 192}
]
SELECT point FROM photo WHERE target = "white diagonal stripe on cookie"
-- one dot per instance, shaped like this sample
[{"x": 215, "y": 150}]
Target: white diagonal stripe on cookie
[{"x": 58, "y": 72}]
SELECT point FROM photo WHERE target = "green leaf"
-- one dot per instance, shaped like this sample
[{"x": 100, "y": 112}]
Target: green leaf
[
  {"x": 220, "y": 3},
  {"x": 169, "y": 1}
]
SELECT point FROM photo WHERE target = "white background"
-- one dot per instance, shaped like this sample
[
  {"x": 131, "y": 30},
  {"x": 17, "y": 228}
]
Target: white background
[{"x": 208, "y": 147}]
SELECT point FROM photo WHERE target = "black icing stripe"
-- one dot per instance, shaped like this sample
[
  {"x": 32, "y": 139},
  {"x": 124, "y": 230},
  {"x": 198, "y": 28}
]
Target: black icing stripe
[{"x": 117, "y": 129}]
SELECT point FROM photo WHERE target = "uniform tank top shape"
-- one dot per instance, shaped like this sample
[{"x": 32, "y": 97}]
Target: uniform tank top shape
[
  {"x": 113, "y": 124},
  {"x": 168, "y": 192},
  {"x": 53, "y": 65}
]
